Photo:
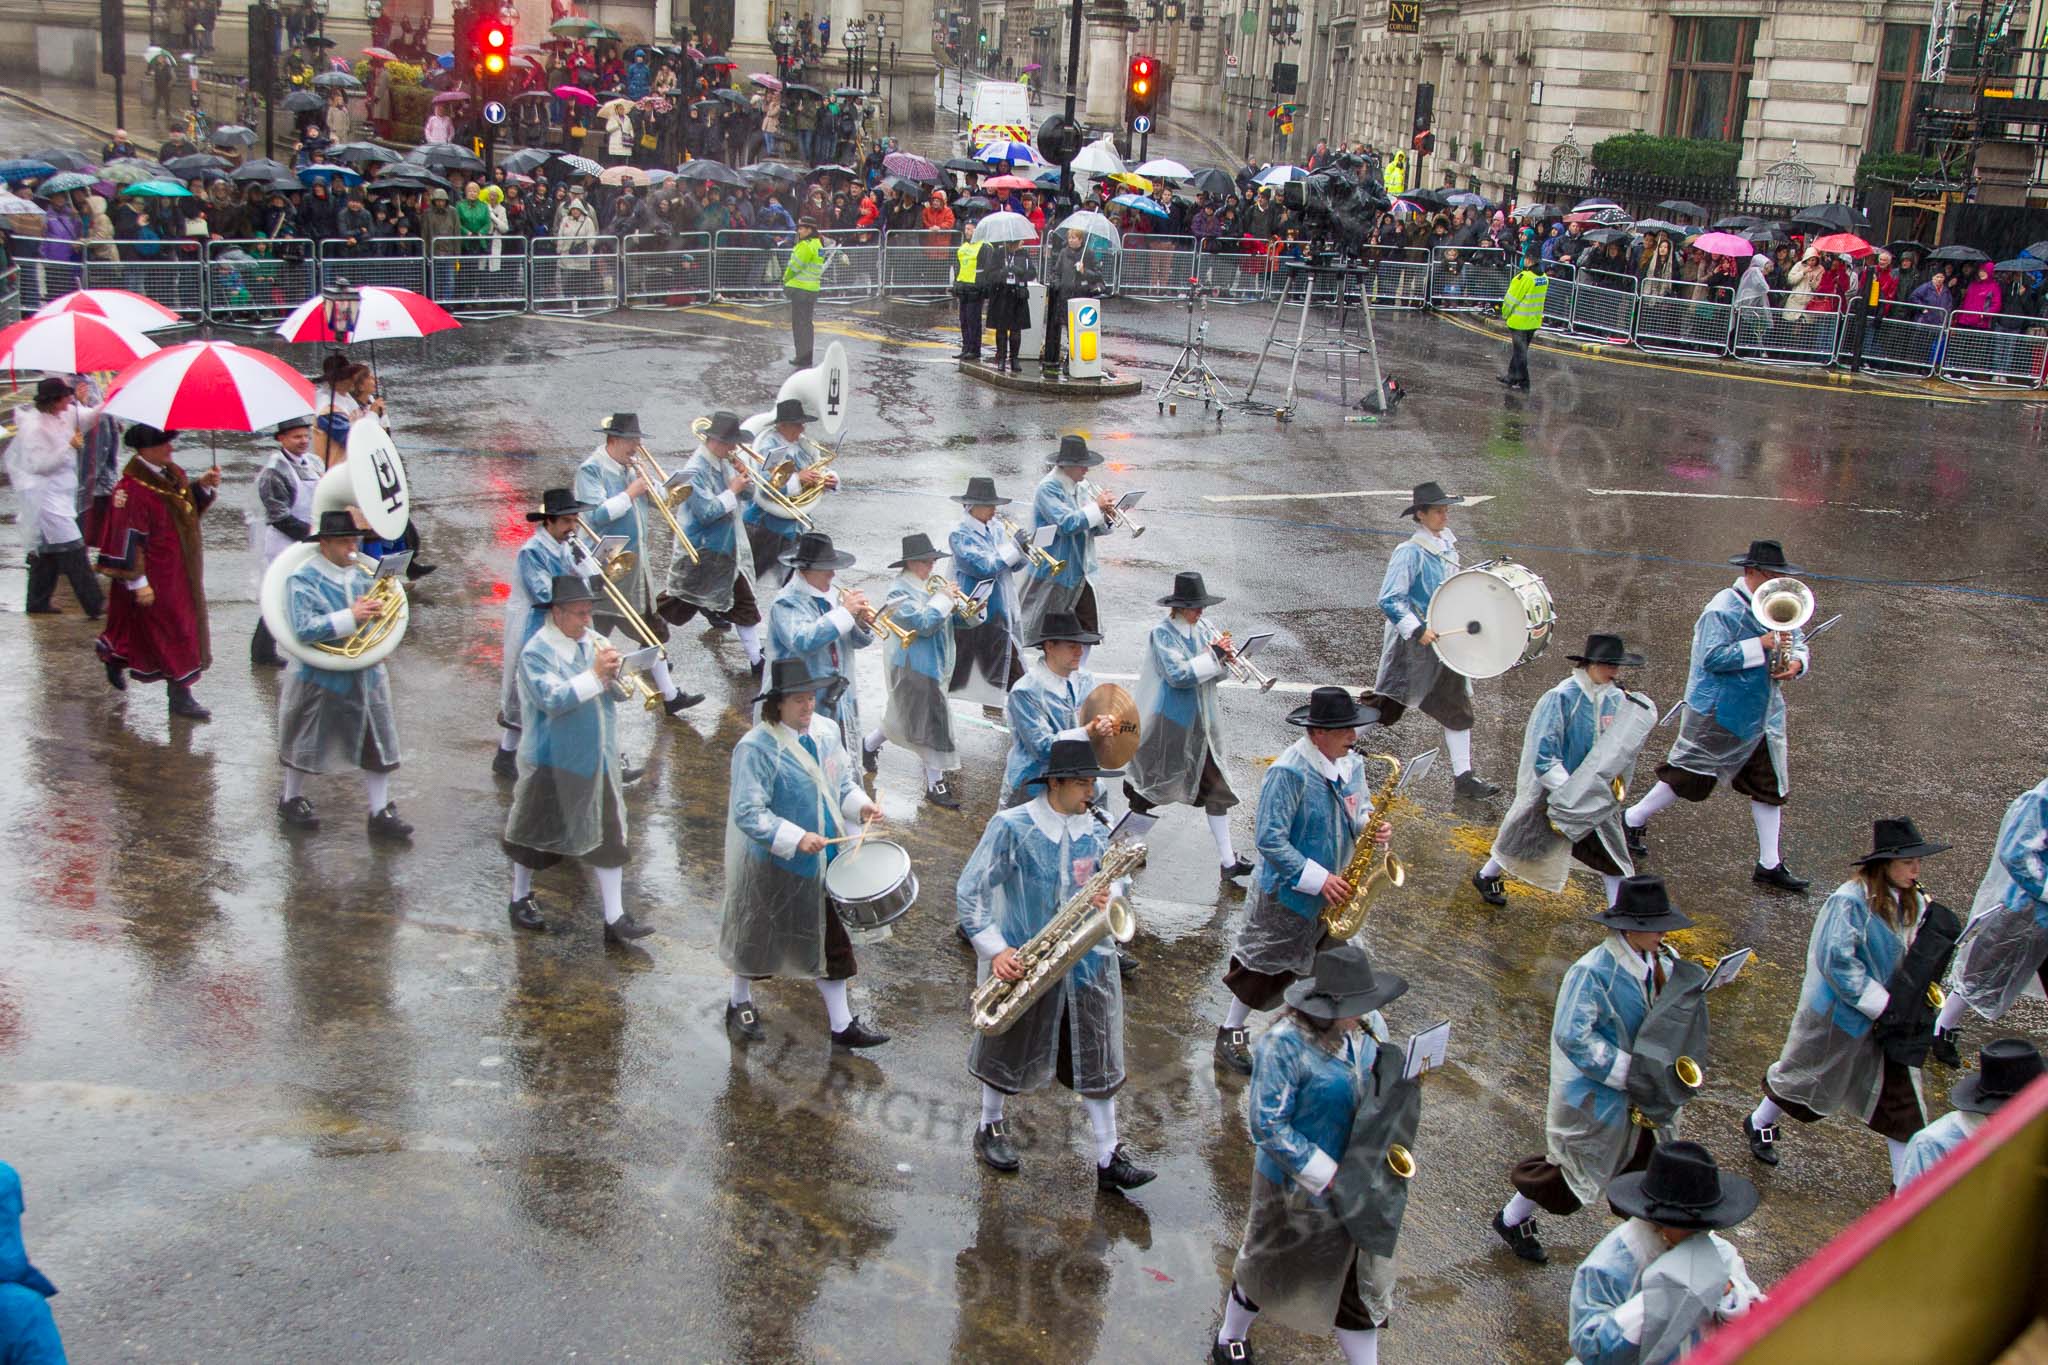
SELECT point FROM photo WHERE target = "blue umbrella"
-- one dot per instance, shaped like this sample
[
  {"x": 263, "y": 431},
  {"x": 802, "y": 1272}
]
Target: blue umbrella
[
  {"x": 446, "y": 61},
  {"x": 314, "y": 175},
  {"x": 1049, "y": 176},
  {"x": 1469, "y": 199},
  {"x": 1140, "y": 203},
  {"x": 21, "y": 168},
  {"x": 1008, "y": 152}
]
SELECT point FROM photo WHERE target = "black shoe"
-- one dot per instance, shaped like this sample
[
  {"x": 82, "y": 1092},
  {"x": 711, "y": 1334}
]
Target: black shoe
[
  {"x": 1230, "y": 1353},
  {"x": 681, "y": 701},
  {"x": 962, "y": 355},
  {"x": 1233, "y": 1049},
  {"x": 1492, "y": 890},
  {"x": 1521, "y": 1239},
  {"x": 1763, "y": 1142},
  {"x": 868, "y": 760},
  {"x": 385, "y": 824},
  {"x": 1241, "y": 868},
  {"x": 297, "y": 813},
  {"x": 505, "y": 763},
  {"x": 117, "y": 677},
  {"x": 183, "y": 703},
  {"x": 1473, "y": 787},
  {"x": 525, "y": 914},
  {"x": 625, "y": 928},
  {"x": 1943, "y": 1048},
  {"x": 1638, "y": 838},
  {"x": 941, "y": 795},
  {"x": 801, "y": 362},
  {"x": 415, "y": 571},
  {"x": 745, "y": 1021},
  {"x": 271, "y": 661},
  {"x": 628, "y": 774},
  {"x": 1122, "y": 1173},
  {"x": 992, "y": 1146},
  {"x": 857, "y": 1035},
  {"x": 1126, "y": 963},
  {"x": 1505, "y": 381},
  {"x": 41, "y": 611},
  {"x": 1780, "y": 877}
]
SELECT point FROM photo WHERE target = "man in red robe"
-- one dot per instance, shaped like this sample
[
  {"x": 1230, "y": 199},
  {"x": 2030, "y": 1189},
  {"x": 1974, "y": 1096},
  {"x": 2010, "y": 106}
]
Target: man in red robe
[{"x": 149, "y": 547}]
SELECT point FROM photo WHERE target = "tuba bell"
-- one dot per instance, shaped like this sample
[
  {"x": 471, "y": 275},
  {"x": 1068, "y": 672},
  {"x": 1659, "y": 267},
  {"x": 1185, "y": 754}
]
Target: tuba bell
[
  {"x": 373, "y": 482},
  {"x": 1782, "y": 604}
]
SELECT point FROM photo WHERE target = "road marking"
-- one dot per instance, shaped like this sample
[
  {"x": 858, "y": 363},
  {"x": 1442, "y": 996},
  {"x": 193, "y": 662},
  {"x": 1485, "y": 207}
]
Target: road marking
[
  {"x": 1471, "y": 499},
  {"x": 1742, "y": 497},
  {"x": 826, "y": 328}
]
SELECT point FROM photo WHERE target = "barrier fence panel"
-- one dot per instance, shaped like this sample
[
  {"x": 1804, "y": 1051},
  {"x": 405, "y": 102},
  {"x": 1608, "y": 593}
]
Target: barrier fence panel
[
  {"x": 395, "y": 263},
  {"x": 255, "y": 283},
  {"x": 1560, "y": 296},
  {"x": 10, "y": 296},
  {"x": 573, "y": 274},
  {"x": 1236, "y": 269},
  {"x": 671, "y": 271},
  {"x": 1397, "y": 277},
  {"x": 1669, "y": 324},
  {"x": 1603, "y": 306},
  {"x": 171, "y": 272},
  {"x": 1155, "y": 265},
  {"x": 1999, "y": 353},
  {"x": 917, "y": 266},
  {"x": 472, "y": 282},
  {"x": 1473, "y": 278},
  {"x": 1770, "y": 334},
  {"x": 747, "y": 266},
  {"x": 853, "y": 265},
  {"x": 1903, "y": 338}
]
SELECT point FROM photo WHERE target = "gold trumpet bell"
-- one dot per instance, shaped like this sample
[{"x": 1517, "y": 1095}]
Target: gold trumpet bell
[
  {"x": 1936, "y": 996},
  {"x": 1401, "y": 1161},
  {"x": 1689, "y": 1073}
]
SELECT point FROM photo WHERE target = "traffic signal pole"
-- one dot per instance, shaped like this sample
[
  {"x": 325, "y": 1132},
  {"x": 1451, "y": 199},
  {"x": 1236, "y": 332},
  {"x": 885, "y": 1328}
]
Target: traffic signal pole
[{"x": 1073, "y": 91}]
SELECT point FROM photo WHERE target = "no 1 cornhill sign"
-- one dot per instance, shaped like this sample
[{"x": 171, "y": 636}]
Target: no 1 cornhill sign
[{"x": 1404, "y": 16}]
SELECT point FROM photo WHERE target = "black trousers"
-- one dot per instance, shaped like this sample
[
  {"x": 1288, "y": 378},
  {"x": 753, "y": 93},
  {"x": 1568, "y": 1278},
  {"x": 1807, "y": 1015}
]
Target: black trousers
[
  {"x": 1009, "y": 344},
  {"x": 1055, "y": 328},
  {"x": 71, "y": 562},
  {"x": 1518, "y": 358},
  {"x": 744, "y": 611},
  {"x": 970, "y": 325},
  {"x": 803, "y": 310}
]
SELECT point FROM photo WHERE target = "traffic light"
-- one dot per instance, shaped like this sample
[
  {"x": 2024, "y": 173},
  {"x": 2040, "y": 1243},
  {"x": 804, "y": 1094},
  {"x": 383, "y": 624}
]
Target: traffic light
[
  {"x": 492, "y": 41},
  {"x": 1143, "y": 85}
]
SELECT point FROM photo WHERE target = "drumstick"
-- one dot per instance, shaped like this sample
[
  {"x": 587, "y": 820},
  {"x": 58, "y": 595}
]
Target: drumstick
[{"x": 851, "y": 838}]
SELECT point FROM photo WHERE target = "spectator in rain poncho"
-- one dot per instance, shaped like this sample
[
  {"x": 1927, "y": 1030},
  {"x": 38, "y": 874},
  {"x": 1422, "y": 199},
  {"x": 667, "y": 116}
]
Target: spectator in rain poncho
[
  {"x": 28, "y": 1330},
  {"x": 2005, "y": 952},
  {"x": 918, "y": 716},
  {"x": 44, "y": 464}
]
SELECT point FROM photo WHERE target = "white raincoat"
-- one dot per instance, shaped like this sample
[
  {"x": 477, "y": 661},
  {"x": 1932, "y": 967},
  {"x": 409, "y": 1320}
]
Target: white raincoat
[
  {"x": 601, "y": 481},
  {"x": 1731, "y": 701},
  {"x": 568, "y": 750},
  {"x": 918, "y": 716},
  {"x": 1417, "y": 568},
  {"x": 534, "y": 569},
  {"x": 1634, "y": 1302},
  {"x": 981, "y": 552},
  {"x": 1602, "y": 1002},
  {"x": 1575, "y": 723},
  {"x": 711, "y": 519}
]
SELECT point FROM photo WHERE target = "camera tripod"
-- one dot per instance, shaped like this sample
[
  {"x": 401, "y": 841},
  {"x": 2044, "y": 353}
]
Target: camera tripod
[
  {"x": 1191, "y": 375},
  {"x": 1298, "y": 289}
]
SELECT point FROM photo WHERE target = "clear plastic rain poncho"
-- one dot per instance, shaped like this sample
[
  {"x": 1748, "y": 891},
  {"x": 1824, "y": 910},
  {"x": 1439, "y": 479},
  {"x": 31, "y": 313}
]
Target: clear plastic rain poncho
[
  {"x": 983, "y": 552},
  {"x": 601, "y": 481},
  {"x": 1937, "y": 1140},
  {"x": 1416, "y": 569},
  {"x": 774, "y": 449},
  {"x": 773, "y": 918},
  {"x": 1061, "y": 504},
  {"x": 534, "y": 569},
  {"x": 1730, "y": 697},
  {"x": 1043, "y": 707},
  {"x": 710, "y": 517},
  {"x": 1180, "y": 721},
  {"x": 2007, "y": 940},
  {"x": 1831, "y": 1061},
  {"x": 1029, "y": 861},
  {"x": 568, "y": 748},
  {"x": 1634, "y": 1302},
  {"x": 1573, "y": 723},
  {"x": 1306, "y": 815},
  {"x": 1602, "y": 1002},
  {"x": 329, "y": 718},
  {"x": 918, "y": 716},
  {"x": 806, "y": 624}
]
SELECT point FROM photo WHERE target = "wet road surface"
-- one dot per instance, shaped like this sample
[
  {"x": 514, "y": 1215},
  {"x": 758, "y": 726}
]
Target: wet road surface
[{"x": 310, "y": 1099}]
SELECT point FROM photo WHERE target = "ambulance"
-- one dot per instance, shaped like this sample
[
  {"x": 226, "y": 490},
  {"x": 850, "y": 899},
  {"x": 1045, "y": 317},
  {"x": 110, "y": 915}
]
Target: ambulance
[{"x": 1002, "y": 109}]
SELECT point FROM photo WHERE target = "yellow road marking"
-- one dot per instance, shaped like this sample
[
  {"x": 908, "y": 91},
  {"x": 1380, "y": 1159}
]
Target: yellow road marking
[{"x": 827, "y": 328}]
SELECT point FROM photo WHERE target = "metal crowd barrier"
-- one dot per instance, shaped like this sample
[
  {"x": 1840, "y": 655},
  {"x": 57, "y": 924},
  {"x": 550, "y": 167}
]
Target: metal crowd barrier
[
  {"x": 1604, "y": 306},
  {"x": 471, "y": 281},
  {"x": 1236, "y": 269},
  {"x": 1999, "y": 354},
  {"x": 1904, "y": 338},
  {"x": 1468, "y": 278},
  {"x": 670, "y": 272},
  {"x": 43, "y": 280},
  {"x": 573, "y": 274},
  {"x": 1398, "y": 277},
  {"x": 397, "y": 263},
  {"x": 1672, "y": 324},
  {"x": 1770, "y": 336},
  {"x": 1559, "y": 297},
  {"x": 917, "y": 266},
  {"x": 257, "y": 281},
  {"x": 1155, "y": 266},
  {"x": 854, "y": 265},
  {"x": 10, "y": 296}
]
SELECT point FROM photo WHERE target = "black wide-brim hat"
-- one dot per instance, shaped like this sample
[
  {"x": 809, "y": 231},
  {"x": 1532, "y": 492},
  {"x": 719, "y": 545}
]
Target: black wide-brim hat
[
  {"x": 1642, "y": 906},
  {"x": 570, "y": 588},
  {"x": 2005, "y": 1067},
  {"x": 334, "y": 522},
  {"x": 1768, "y": 555},
  {"x": 142, "y": 436},
  {"x": 917, "y": 546},
  {"x": 724, "y": 426},
  {"x": 1430, "y": 495},
  {"x": 1072, "y": 758},
  {"x": 1607, "y": 649},
  {"x": 814, "y": 550},
  {"x": 290, "y": 424},
  {"x": 559, "y": 502},
  {"x": 1344, "y": 985},
  {"x": 1331, "y": 708},
  {"x": 1073, "y": 451},
  {"x": 622, "y": 425},
  {"x": 1683, "y": 1188},
  {"x": 981, "y": 492},
  {"x": 1063, "y": 625},
  {"x": 786, "y": 676},
  {"x": 1898, "y": 838},
  {"x": 1189, "y": 591},
  {"x": 792, "y": 410}
]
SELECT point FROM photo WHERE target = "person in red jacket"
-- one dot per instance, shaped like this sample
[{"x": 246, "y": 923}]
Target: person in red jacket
[
  {"x": 1831, "y": 292},
  {"x": 150, "y": 548}
]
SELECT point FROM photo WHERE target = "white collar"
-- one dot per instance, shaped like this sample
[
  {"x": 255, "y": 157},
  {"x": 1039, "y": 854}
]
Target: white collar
[
  {"x": 1186, "y": 629},
  {"x": 1594, "y": 691},
  {"x": 1051, "y": 680},
  {"x": 1061, "y": 475},
  {"x": 338, "y": 573},
  {"x": 564, "y": 647},
  {"x": 1436, "y": 544},
  {"x": 972, "y": 527},
  {"x": 804, "y": 585},
  {"x": 1055, "y": 826},
  {"x": 1315, "y": 759},
  {"x": 155, "y": 469},
  {"x": 1741, "y": 589},
  {"x": 606, "y": 456}
]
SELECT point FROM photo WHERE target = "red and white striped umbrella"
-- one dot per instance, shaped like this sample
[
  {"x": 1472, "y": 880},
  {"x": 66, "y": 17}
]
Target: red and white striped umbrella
[
  {"x": 72, "y": 343},
  {"x": 132, "y": 311},
  {"x": 382, "y": 314},
  {"x": 209, "y": 386}
]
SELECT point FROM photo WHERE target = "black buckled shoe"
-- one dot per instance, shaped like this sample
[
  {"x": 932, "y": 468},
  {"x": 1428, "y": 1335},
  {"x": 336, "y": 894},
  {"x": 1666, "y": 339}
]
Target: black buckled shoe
[
  {"x": 628, "y": 774},
  {"x": 1763, "y": 1142},
  {"x": 1943, "y": 1049},
  {"x": 505, "y": 764},
  {"x": 993, "y": 1148},
  {"x": 1779, "y": 878},
  {"x": 117, "y": 676},
  {"x": 681, "y": 702},
  {"x": 1127, "y": 964},
  {"x": 385, "y": 824},
  {"x": 525, "y": 914},
  {"x": 1232, "y": 871},
  {"x": 941, "y": 794},
  {"x": 744, "y": 1021},
  {"x": 1492, "y": 890},
  {"x": 183, "y": 703},
  {"x": 1638, "y": 840},
  {"x": 869, "y": 760},
  {"x": 1230, "y": 1353},
  {"x": 1233, "y": 1049},
  {"x": 1473, "y": 787},
  {"x": 1122, "y": 1173},
  {"x": 297, "y": 813},
  {"x": 1522, "y": 1239},
  {"x": 625, "y": 928},
  {"x": 857, "y": 1034}
]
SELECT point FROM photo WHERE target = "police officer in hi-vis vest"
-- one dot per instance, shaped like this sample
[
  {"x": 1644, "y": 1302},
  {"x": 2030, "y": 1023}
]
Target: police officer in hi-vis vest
[{"x": 971, "y": 272}]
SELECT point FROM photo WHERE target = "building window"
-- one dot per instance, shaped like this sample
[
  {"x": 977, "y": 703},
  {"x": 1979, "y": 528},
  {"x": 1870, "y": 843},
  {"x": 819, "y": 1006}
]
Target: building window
[
  {"x": 1711, "y": 62},
  {"x": 1891, "y": 96}
]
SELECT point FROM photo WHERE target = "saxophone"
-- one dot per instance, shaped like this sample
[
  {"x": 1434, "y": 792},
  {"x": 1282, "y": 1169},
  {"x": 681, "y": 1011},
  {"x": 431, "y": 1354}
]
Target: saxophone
[
  {"x": 1369, "y": 868},
  {"x": 1072, "y": 932}
]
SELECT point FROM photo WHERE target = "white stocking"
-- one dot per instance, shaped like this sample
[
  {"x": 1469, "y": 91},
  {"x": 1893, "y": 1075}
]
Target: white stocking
[
  {"x": 1767, "y": 1113},
  {"x": 611, "y": 885},
  {"x": 1239, "y": 1012},
  {"x": 522, "y": 881},
  {"x": 1360, "y": 1348},
  {"x": 378, "y": 785},
  {"x": 294, "y": 784},
  {"x": 1612, "y": 884},
  {"x": 1237, "y": 1319},
  {"x": 657, "y": 673},
  {"x": 1518, "y": 1210},
  {"x": 1219, "y": 830},
  {"x": 1459, "y": 742},
  {"x": 750, "y": 640},
  {"x": 742, "y": 991},
  {"x": 1491, "y": 870},
  {"x": 1657, "y": 799},
  {"x": 508, "y": 738},
  {"x": 1102, "y": 1118},
  {"x": 1897, "y": 1149},
  {"x": 1951, "y": 1012},
  {"x": 1766, "y": 817},
  {"x": 991, "y": 1104},
  {"x": 836, "y": 1008},
  {"x": 933, "y": 776},
  {"x": 874, "y": 741}
]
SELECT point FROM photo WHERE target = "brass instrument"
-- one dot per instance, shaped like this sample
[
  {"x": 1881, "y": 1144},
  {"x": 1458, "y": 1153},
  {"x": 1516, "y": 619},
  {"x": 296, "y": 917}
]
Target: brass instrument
[
  {"x": 1035, "y": 554},
  {"x": 389, "y": 595},
  {"x": 748, "y": 460},
  {"x": 1401, "y": 1161},
  {"x": 1070, "y": 935},
  {"x": 1114, "y": 518},
  {"x": 878, "y": 620},
  {"x": 1782, "y": 604},
  {"x": 784, "y": 472},
  {"x": 609, "y": 573},
  {"x": 1241, "y": 668},
  {"x": 1369, "y": 869},
  {"x": 664, "y": 498},
  {"x": 966, "y": 608},
  {"x": 1936, "y": 996},
  {"x": 1109, "y": 699},
  {"x": 1690, "y": 1075}
]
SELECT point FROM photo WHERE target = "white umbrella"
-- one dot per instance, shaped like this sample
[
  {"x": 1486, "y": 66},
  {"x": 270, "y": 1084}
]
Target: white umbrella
[
  {"x": 1005, "y": 227},
  {"x": 1095, "y": 225},
  {"x": 72, "y": 343},
  {"x": 1280, "y": 175},
  {"x": 1164, "y": 168},
  {"x": 133, "y": 311},
  {"x": 1099, "y": 158},
  {"x": 209, "y": 386}
]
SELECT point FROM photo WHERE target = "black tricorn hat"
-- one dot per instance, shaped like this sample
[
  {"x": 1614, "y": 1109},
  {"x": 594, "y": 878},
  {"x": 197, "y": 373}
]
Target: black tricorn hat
[
  {"x": 142, "y": 436},
  {"x": 1330, "y": 708},
  {"x": 792, "y": 675},
  {"x": 1607, "y": 649},
  {"x": 558, "y": 502},
  {"x": 2005, "y": 1067},
  {"x": 569, "y": 588},
  {"x": 1898, "y": 838},
  {"x": 1683, "y": 1188},
  {"x": 624, "y": 425},
  {"x": 814, "y": 550},
  {"x": 792, "y": 410},
  {"x": 916, "y": 546},
  {"x": 336, "y": 522},
  {"x": 1344, "y": 985},
  {"x": 1430, "y": 494},
  {"x": 981, "y": 492},
  {"x": 1073, "y": 451},
  {"x": 1189, "y": 591},
  {"x": 725, "y": 426},
  {"x": 1072, "y": 758},
  {"x": 1064, "y": 625},
  {"x": 1642, "y": 906},
  {"x": 1765, "y": 554}
]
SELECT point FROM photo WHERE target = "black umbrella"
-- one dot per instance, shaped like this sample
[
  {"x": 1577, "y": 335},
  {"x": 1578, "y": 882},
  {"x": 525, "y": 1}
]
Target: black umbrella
[
  {"x": 303, "y": 102},
  {"x": 1768, "y": 232},
  {"x": 706, "y": 106},
  {"x": 260, "y": 170},
  {"x": 974, "y": 203},
  {"x": 730, "y": 97},
  {"x": 1540, "y": 212},
  {"x": 2038, "y": 249},
  {"x": 1684, "y": 208},
  {"x": 2022, "y": 265},
  {"x": 1427, "y": 198},
  {"x": 177, "y": 146},
  {"x": 1737, "y": 222},
  {"x": 336, "y": 80},
  {"x": 531, "y": 96},
  {"x": 445, "y": 156},
  {"x": 62, "y": 159},
  {"x": 1659, "y": 225},
  {"x": 185, "y": 167},
  {"x": 234, "y": 135},
  {"x": 408, "y": 176},
  {"x": 1966, "y": 255},
  {"x": 1603, "y": 236},
  {"x": 776, "y": 170},
  {"x": 317, "y": 40},
  {"x": 847, "y": 171},
  {"x": 1212, "y": 181},
  {"x": 356, "y": 153},
  {"x": 960, "y": 165},
  {"x": 526, "y": 160},
  {"x": 709, "y": 173},
  {"x": 287, "y": 184},
  {"x": 1833, "y": 217},
  {"x": 895, "y": 183},
  {"x": 1901, "y": 247},
  {"x": 803, "y": 90}
]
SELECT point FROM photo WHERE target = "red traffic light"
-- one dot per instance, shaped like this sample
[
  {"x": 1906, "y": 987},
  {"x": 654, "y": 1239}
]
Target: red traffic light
[
  {"x": 495, "y": 37},
  {"x": 1142, "y": 66},
  {"x": 493, "y": 42}
]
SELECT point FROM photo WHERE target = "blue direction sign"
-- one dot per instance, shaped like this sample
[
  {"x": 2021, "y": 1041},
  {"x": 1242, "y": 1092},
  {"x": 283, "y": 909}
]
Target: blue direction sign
[
  {"x": 494, "y": 112},
  {"x": 1142, "y": 124}
]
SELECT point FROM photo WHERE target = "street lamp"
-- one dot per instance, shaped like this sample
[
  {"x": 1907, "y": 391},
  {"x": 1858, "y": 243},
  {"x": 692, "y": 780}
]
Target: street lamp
[
  {"x": 881, "y": 27},
  {"x": 855, "y": 38}
]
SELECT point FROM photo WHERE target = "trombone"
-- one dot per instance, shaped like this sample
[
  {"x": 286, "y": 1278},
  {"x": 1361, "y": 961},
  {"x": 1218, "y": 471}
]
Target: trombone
[
  {"x": 1241, "y": 668},
  {"x": 878, "y": 620},
  {"x": 1116, "y": 517},
  {"x": 609, "y": 573},
  {"x": 966, "y": 608},
  {"x": 1035, "y": 554},
  {"x": 664, "y": 498},
  {"x": 752, "y": 465}
]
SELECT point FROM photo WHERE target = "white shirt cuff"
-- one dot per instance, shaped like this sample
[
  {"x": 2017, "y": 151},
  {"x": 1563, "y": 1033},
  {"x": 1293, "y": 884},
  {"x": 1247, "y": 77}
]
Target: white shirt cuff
[
  {"x": 1206, "y": 666},
  {"x": 1408, "y": 625},
  {"x": 138, "y": 583},
  {"x": 1313, "y": 875},
  {"x": 1617, "y": 1075},
  {"x": 794, "y": 486},
  {"x": 584, "y": 566},
  {"x": 343, "y": 622},
  {"x": 1629, "y": 1320},
  {"x": 1072, "y": 734},
  {"x": 1095, "y": 517},
  {"x": 586, "y": 684},
  {"x": 616, "y": 506},
  {"x": 855, "y": 805},
  {"x": 1554, "y": 776},
  {"x": 842, "y": 620},
  {"x": 1753, "y": 652},
  {"x": 988, "y": 942},
  {"x": 1319, "y": 1172},
  {"x": 783, "y": 845},
  {"x": 1013, "y": 553},
  {"x": 730, "y": 501},
  {"x": 1873, "y": 1000}
]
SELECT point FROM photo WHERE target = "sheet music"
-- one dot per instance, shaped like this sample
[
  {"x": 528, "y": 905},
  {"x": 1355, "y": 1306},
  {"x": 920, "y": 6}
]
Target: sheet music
[
  {"x": 393, "y": 564},
  {"x": 1426, "y": 1050},
  {"x": 1132, "y": 826},
  {"x": 1728, "y": 968},
  {"x": 1253, "y": 644},
  {"x": 1043, "y": 536},
  {"x": 639, "y": 661},
  {"x": 1130, "y": 500}
]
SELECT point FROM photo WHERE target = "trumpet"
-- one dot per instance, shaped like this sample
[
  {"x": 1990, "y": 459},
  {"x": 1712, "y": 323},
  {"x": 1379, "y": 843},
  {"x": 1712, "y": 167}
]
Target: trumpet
[
  {"x": 624, "y": 687},
  {"x": 784, "y": 472},
  {"x": 877, "y": 620},
  {"x": 1035, "y": 554},
  {"x": 663, "y": 497},
  {"x": 1401, "y": 1161},
  {"x": 749, "y": 462},
  {"x": 1242, "y": 669},
  {"x": 609, "y": 573},
  {"x": 389, "y": 595},
  {"x": 1114, "y": 517},
  {"x": 966, "y": 608}
]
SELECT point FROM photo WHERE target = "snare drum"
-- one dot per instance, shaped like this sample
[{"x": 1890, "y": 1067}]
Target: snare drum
[
  {"x": 871, "y": 885},
  {"x": 1490, "y": 618}
]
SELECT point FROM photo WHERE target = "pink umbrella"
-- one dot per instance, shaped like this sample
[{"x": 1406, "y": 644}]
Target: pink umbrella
[
  {"x": 1009, "y": 182},
  {"x": 209, "y": 386},
  {"x": 133, "y": 311},
  {"x": 380, "y": 54},
  {"x": 1723, "y": 244},
  {"x": 72, "y": 343},
  {"x": 576, "y": 94},
  {"x": 765, "y": 82},
  {"x": 452, "y": 97},
  {"x": 1842, "y": 244},
  {"x": 382, "y": 314}
]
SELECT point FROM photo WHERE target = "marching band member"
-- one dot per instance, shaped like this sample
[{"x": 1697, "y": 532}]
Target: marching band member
[
  {"x": 284, "y": 492},
  {"x": 156, "y": 610},
  {"x": 548, "y": 552},
  {"x": 770, "y": 534},
  {"x": 1045, "y": 704},
  {"x": 1411, "y": 674},
  {"x": 1078, "y": 518},
  {"x": 792, "y": 791},
  {"x": 1312, "y": 806},
  {"x": 1311, "y": 1075},
  {"x": 720, "y": 583},
  {"x": 808, "y": 621},
  {"x": 1832, "y": 1060},
  {"x": 568, "y": 802},
  {"x": 987, "y": 663},
  {"x": 1588, "y": 1136},
  {"x": 1733, "y": 725},
  {"x": 1566, "y": 724},
  {"x": 1031, "y": 859},
  {"x": 918, "y": 717},
  {"x": 330, "y": 718},
  {"x": 2005, "y": 1067},
  {"x": 2006, "y": 950},
  {"x": 1653, "y": 1288},
  {"x": 1180, "y": 727},
  {"x": 611, "y": 484}
]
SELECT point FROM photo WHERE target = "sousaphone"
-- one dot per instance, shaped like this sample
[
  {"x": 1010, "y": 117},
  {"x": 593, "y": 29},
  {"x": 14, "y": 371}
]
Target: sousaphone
[{"x": 826, "y": 389}]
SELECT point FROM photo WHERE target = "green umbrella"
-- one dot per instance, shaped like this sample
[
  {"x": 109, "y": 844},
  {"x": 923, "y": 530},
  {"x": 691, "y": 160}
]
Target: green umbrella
[
  {"x": 158, "y": 189},
  {"x": 601, "y": 34},
  {"x": 574, "y": 23}
]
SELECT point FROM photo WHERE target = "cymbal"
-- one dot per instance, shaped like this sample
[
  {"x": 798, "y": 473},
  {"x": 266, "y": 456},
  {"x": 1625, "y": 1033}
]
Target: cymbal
[{"x": 1109, "y": 699}]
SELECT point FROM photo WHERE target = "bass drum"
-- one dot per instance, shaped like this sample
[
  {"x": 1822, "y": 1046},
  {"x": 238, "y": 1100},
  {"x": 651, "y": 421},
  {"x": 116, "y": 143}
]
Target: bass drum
[
  {"x": 871, "y": 885},
  {"x": 1490, "y": 618}
]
